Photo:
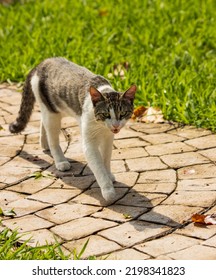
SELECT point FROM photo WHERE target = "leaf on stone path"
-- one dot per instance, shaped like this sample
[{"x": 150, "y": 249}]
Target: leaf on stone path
[
  {"x": 204, "y": 219},
  {"x": 127, "y": 216},
  {"x": 189, "y": 171},
  {"x": 148, "y": 115},
  {"x": 7, "y": 213},
  {"x": 40, "y": 174},
  {"x": 1, "y": 128},
  {"x": 138, "y": 112}
]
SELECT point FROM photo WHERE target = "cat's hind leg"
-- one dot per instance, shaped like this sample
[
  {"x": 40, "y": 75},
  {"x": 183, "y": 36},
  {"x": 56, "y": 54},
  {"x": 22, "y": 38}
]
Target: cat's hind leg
[{"x": 51, "y": 124}]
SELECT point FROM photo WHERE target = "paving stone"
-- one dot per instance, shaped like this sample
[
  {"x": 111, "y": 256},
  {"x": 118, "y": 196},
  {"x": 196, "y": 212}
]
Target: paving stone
[
  {"x": 126, "y": 132},
  {"x": 55, "y": 196},
  {"x": 2, "y": 186},
  {"x": 165, "y": 188},
  {"x": 183, "y": 159},
  {"x": 9, "y": 151},
  {"x": 162, "y": 176},
  {"x": 76, "y": 169},
  {"x": 130, "y": 143},
  {"x": 7, "y": 197},
  {"x": 197, "y": 171},
  {"x": 40, "y": 237},
  {"x": 66, "y": 212},
  {"x": 25, "y": 206},
  {"x": 190, "y": 132},
  {"x": 32, "y": 139},
  {"x": 120, "y": 213},
  {"x": 148, "y": 163},
  {"x": 210, "y": 242},
  {"x": 171, "y": 215},
  {"x": 167, "y": 244},
  {"x": 94, "y": 197},
  {"x": 197, "y": 185},
  {"x": 71, "y": 182},
  {"x": 161, "y": 138},
  {"x": 127, "y": 179},
  {"x": 209, "y": 153},
  {"x": 168, "y": 148},
  {"x": 4, "y": 160},
  {"x": 32, "y": 185},
  {"x": 128, "y": 153},
  {"x": 79, "y": 228},
  {"x": 133, "y": 232},
  {"x": 192, "y": 198},
  {"x": 118, "y": 166},
  {"x": 27, "y": 223},
  {"x": 13, "y": 140},
  {"x": 204, "y": 142},
  {"x": 196, "y": 252},
  {"x": 147, "y": 200},
  {"x": 97, "y": 246},
  {"x": 31, "y": 161},
  {"x": 152, "y": 128},
  {"x": 198, "y": 231},
  {"x": 10, "y": 174},
  {"x": 127, "y": 254}
]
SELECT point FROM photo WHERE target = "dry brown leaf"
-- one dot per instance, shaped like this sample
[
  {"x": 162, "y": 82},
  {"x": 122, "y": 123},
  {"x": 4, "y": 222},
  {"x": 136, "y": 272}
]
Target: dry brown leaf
[
  {"x": 138, "y": 112},
  {"x": 148, "y": 115},
  {"x": 204, "y": 219}
]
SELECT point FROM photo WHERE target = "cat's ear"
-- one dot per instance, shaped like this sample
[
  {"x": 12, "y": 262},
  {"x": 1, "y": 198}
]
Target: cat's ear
[
  {"x": 130, "y": 93},
  {"x": 95, "y": 95}
]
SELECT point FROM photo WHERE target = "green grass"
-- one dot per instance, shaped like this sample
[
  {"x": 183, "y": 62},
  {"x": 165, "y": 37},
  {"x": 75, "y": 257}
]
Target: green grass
[
  {"x": 170, "y": 47},
  {"x": 13, "y": 248}
]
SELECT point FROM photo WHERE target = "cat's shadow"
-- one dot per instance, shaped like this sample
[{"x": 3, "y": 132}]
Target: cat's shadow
[{"x": 129, "y": 204}]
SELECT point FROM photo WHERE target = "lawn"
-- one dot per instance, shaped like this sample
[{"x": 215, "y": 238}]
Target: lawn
[{"x": 169, "y": 47}]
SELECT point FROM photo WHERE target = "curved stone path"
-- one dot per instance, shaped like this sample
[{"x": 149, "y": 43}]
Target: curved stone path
[{"x": 164, "y": 173}]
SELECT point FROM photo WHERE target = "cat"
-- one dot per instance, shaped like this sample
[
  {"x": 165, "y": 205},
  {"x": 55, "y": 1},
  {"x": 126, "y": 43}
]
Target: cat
[{"x": 62, "y": 88}]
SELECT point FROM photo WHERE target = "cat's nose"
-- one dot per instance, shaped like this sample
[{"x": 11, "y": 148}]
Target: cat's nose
[{"x": 115, "y": 126}]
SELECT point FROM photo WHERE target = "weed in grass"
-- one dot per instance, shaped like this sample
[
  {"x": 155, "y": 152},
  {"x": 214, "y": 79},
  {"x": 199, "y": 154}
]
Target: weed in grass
[{"x": 170, "y": 47}]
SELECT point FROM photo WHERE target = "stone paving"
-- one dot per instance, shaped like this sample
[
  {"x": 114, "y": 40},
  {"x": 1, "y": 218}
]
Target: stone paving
[{"x": 165, "y": 173}]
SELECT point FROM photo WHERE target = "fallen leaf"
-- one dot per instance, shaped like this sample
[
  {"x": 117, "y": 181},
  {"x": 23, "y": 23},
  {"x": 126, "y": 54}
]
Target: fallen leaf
[
  {"x": 204, "y": 219},
  {"x": 148, "y": 115},
  {"x": 7, "y": 213},
  {"x": 138, "y": 112},
  {"x": 127, "y": 216},
  {"x": 189, "y": 172}
]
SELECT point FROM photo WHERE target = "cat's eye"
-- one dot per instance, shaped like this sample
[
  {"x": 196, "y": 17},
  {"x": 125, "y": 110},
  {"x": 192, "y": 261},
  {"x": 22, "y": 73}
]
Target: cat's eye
[
  {"x": 123, "y": 114},
  {"x": 106, "y": 115}
]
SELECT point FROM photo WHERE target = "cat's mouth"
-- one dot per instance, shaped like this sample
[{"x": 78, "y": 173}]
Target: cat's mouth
[{"x": 115, "y": 130}]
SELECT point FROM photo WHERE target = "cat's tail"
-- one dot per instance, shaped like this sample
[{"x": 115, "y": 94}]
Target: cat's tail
[{"x": 26, "y": 107}]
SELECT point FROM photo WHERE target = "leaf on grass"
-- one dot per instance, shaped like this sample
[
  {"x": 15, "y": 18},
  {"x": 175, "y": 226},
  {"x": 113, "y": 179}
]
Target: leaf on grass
[
  {"x": 204, "y": 219},
  {"x": 148, "y": 115},
  {"x": 7, "y": 213}
]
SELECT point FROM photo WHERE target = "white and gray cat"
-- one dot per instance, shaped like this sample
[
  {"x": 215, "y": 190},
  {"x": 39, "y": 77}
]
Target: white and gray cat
[{"x": 65, "y": 88}]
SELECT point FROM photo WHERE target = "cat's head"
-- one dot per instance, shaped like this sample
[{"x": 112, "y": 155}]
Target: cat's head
[{"x": 113, "y": 108}]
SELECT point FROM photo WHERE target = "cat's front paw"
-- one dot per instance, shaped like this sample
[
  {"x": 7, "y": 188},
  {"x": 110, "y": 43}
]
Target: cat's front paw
[
  {"x": 109, "y": 194},
  {"x": 112, "y": 177},
  {"x": 63, "y": 166}
]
